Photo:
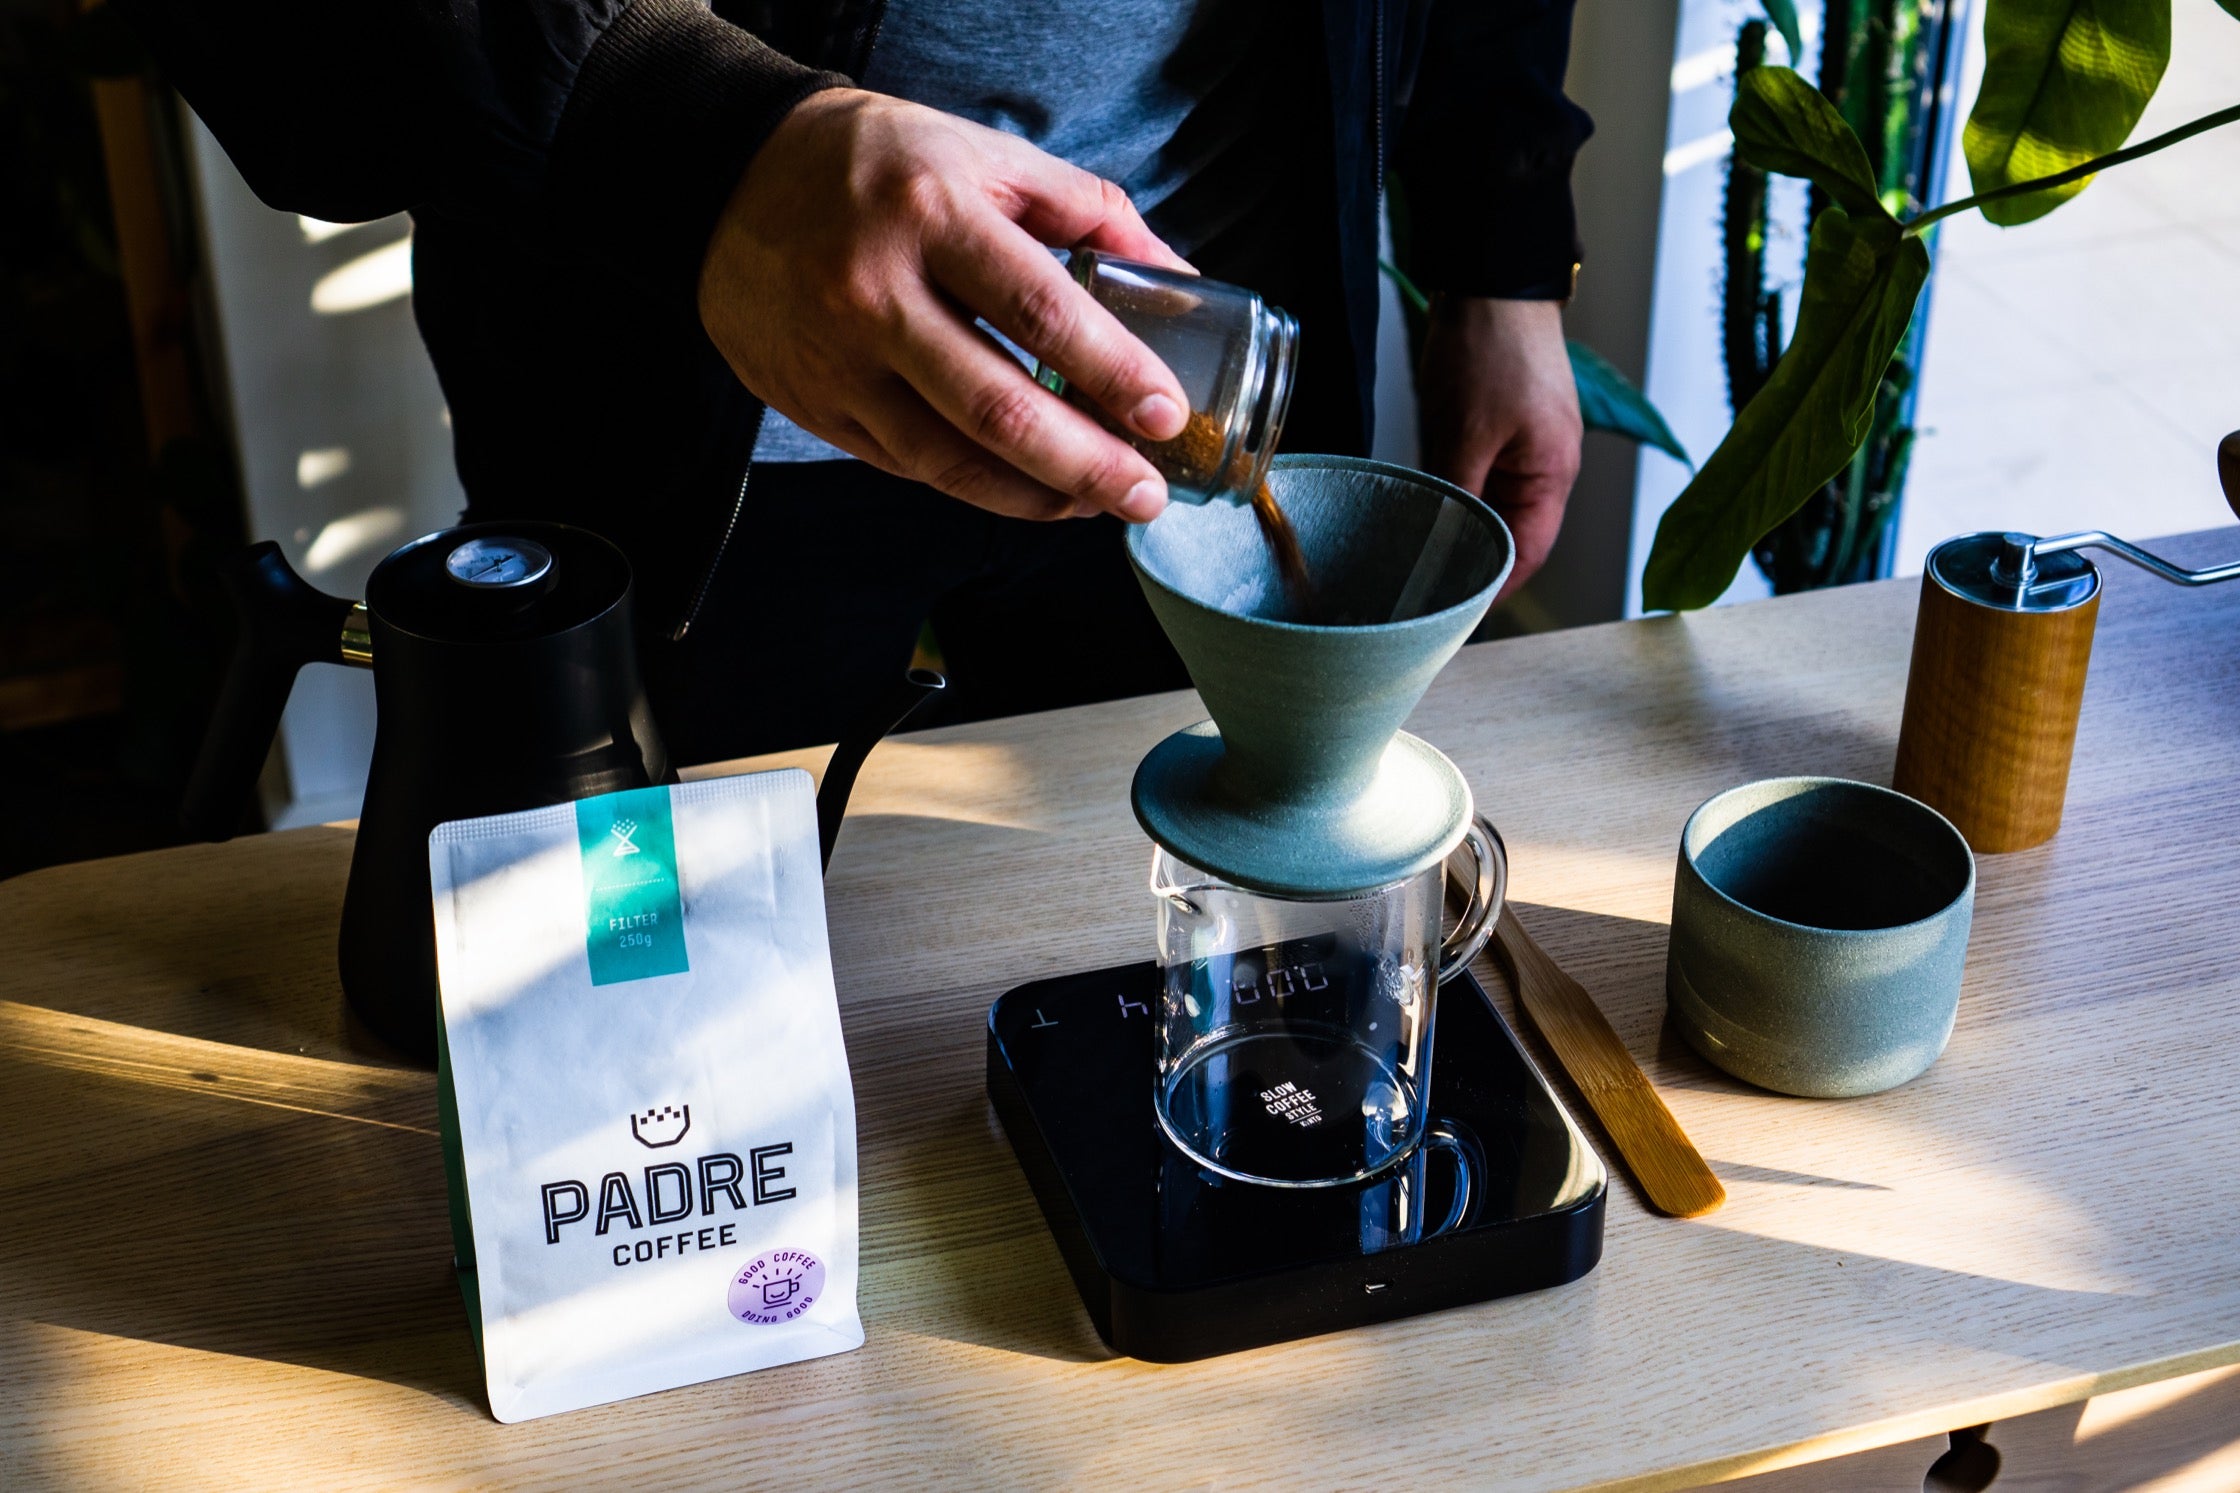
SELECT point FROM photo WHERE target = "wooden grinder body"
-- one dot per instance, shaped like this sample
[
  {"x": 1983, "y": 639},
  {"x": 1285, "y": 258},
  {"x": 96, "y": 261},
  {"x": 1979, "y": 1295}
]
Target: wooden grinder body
[{"x": 1992, "y": 701}]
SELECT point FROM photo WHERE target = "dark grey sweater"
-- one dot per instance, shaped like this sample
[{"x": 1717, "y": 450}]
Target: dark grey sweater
[{"x": 1172, "y": 99}]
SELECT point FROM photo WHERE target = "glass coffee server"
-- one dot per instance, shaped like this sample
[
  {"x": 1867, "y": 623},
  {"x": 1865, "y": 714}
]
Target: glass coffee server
[{"x": 1294, "y": 1039}]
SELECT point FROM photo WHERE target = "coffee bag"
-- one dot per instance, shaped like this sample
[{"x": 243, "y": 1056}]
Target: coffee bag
[{"x": 648, "y": 1125}]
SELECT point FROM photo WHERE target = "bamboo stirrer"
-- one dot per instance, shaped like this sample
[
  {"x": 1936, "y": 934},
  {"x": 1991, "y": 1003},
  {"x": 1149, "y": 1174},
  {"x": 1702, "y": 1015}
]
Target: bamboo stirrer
[{"x": 1656, "y": 1150}]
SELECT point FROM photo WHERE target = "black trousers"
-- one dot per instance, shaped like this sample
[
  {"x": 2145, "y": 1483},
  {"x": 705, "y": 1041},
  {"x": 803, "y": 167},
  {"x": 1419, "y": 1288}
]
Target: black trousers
[{"x": 834, "y": 567}]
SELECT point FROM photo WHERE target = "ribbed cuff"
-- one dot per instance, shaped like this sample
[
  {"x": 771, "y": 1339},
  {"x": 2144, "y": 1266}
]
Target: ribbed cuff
[{"x": 669, "y": 107}]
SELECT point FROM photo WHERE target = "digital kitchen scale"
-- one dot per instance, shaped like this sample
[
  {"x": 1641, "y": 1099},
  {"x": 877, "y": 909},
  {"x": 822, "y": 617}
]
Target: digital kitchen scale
[{"x": 1175, "y": 1263}]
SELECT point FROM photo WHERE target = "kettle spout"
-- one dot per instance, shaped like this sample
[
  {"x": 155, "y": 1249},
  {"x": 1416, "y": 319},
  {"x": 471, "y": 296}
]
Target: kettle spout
[{"x": 893, "y": 708}]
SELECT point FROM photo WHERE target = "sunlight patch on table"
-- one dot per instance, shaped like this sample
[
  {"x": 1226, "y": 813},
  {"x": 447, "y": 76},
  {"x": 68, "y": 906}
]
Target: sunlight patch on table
[
  {"x": 2110, "y": 1412},
  {"x": 2214, "y": 1473},
  {"x": 962, "y": 782},
  {"x": 1585, "y": 878},
  {"x": 208, "y": 1417},
  {"x": 114, "y": 1051},
  {"x": 1972, "y": 1219}
]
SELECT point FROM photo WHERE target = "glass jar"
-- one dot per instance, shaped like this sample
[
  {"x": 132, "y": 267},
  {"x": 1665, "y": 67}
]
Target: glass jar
[
  {"x": 1233, "y": 354},
  {"x": 1294, "y": 1037}
]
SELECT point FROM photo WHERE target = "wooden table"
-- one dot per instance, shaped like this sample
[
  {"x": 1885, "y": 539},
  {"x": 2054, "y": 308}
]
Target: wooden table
[{"x": 223, "y": 1258}]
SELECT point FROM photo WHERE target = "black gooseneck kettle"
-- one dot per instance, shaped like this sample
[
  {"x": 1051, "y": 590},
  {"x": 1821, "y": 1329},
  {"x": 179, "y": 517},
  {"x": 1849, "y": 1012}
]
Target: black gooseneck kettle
[{"x": 505, "y": 676}]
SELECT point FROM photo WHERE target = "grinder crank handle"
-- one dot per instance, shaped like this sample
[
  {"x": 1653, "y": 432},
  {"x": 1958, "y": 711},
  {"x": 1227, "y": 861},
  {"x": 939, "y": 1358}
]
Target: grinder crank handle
[
  {"x": 2017, "y": 562},
  {"x": 283, "y": 622}
]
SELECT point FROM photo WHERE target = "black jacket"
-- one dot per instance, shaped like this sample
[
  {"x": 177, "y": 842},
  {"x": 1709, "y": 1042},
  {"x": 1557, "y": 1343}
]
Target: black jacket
[{"x": 564, "y": 161}]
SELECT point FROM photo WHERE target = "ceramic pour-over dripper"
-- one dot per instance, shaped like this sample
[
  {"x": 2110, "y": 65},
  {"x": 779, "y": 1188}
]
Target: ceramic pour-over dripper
[{"x": 1303, "y": 785}]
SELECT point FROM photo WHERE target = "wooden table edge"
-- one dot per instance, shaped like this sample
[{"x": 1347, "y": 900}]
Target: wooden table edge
[{"x": 1911, "y": 1427}]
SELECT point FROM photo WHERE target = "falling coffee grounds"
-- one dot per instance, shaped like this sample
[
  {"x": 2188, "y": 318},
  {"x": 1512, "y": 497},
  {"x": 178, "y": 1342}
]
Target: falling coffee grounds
[
  {"x": 1190, "y": 458},
  {"x": 1283, "y": 542}
]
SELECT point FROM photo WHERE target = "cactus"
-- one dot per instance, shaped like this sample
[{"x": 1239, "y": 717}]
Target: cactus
[{"x": 1883, "y": 65}]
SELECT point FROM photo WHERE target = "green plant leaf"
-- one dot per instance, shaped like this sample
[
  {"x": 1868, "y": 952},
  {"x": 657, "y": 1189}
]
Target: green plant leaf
[
  {"x": 1609, "y": 401},
  {"x": 2063, "y": 81},
  {"x": 1783, "y": 124},
  {"x": 1607, "y": 398},
  {"x": 1416, "y": 299},
  {"x": 1860, "y": 286},
  {"x": 1783, "y": 14}
]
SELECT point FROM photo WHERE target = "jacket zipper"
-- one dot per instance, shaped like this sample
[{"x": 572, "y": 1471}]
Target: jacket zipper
[
  {"x": 1377, "y": 47},
  {"x": 678, "y": 633},
  {"x": 870, "y": 38}
]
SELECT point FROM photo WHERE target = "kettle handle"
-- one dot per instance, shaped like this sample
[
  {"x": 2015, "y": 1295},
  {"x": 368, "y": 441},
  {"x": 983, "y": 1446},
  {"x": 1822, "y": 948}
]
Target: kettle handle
[{"x": 283, "y": 622}]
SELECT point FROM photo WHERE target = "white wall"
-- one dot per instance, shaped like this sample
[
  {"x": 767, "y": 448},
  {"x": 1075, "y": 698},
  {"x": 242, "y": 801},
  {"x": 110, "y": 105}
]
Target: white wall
[
  {"x": 2081, "y": 369},
  {"x": 341, "y": 432}
]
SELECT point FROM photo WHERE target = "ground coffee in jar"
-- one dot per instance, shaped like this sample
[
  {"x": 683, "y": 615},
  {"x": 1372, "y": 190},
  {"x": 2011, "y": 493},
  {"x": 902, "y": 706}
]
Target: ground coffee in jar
[
  {"x": 1234, "y": 356},
  {"x": 1196, "y": 449}
]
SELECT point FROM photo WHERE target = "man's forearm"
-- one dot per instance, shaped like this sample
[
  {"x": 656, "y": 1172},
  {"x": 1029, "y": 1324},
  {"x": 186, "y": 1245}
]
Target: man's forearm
[
  {"x": 620, "y": 126},
  {"x": 670, "y": 106}
]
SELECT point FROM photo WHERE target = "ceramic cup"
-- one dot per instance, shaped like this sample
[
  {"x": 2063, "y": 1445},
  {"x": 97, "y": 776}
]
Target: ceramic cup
[{"x": 1818, "y": 931}]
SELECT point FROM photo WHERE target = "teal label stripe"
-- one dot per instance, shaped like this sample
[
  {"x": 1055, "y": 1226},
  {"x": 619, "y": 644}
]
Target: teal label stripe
[{"x": 635, "y": 915}]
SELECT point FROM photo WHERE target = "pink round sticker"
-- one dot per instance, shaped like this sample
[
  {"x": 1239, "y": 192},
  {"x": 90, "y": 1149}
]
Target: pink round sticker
[{"x": 776, "y": 1286}]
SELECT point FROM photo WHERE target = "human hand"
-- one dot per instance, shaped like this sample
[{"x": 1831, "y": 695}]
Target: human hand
[
  {"x": 1500, "y": 414},
  {"x": 842, "y": 280}
]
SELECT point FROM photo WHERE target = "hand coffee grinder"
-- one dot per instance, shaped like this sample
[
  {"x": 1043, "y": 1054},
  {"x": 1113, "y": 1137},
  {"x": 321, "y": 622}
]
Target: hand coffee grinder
[
  {"x": 1996, "y": 684},
  {"x": 1247, "y": 1141}
]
